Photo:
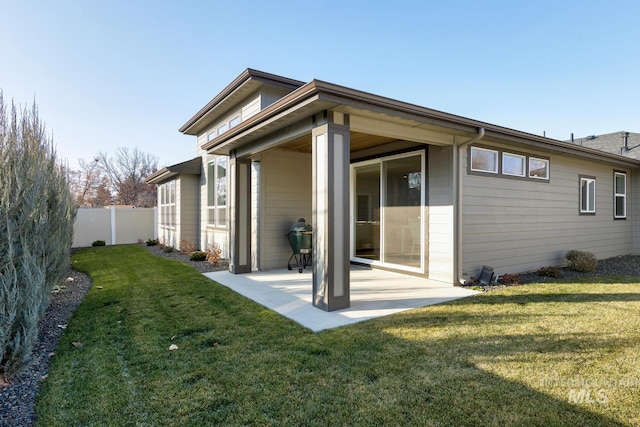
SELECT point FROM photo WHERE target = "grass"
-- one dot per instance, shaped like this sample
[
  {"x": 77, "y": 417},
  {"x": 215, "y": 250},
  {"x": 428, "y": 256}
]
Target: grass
[{"x": 551, "y": 354}]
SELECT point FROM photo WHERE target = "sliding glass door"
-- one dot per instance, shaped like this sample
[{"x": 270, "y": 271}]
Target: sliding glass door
[
  {"x": 388, "y": 200},
  {"x": 367, "y": 212}
]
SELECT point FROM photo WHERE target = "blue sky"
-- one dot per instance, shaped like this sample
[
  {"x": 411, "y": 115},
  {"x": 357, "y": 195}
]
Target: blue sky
[{"x": 108, "y": 74}]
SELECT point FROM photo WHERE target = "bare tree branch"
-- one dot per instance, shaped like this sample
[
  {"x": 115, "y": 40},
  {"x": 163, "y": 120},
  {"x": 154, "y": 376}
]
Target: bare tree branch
[{"x": 126, "y": 172}]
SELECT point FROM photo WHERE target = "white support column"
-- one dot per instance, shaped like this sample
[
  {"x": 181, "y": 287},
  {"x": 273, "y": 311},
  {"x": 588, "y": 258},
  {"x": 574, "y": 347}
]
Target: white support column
[
  {"x": 239, "y": 197},
  {"x": 331, "y": 155}
]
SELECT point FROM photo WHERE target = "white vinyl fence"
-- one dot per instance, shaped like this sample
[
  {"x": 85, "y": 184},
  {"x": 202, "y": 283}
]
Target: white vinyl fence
[{"x": 116, "y": 226}]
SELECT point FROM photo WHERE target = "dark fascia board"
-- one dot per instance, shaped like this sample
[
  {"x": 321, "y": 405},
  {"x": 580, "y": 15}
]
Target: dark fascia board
[
  {"x": 245, "y": 76},
  {"x": 324, "y": 91},
  {"x": 190, "y": 167},
  {"x": 291, "y": 100}
]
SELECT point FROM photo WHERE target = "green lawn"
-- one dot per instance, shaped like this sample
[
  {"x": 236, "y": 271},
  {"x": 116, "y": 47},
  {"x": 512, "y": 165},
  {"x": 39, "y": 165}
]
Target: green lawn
[{"x": 550, "y": 354}]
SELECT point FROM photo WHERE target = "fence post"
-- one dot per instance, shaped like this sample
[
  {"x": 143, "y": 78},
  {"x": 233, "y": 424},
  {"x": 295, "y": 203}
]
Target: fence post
[
  {"x": 113, "y": 226},
  {"x": 155, "y": 223}
]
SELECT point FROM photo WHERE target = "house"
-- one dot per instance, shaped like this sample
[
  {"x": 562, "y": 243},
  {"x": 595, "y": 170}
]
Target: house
[
  {"x": 386, "y": 184},
  {"x": 624, "y": 143}
]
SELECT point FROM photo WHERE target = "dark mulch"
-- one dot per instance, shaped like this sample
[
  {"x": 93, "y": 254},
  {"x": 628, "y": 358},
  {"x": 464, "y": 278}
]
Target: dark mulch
[
  {"x": 201, "y": 266},
  {"x": 17, "y": 400},
  {"x": 627, "y": 265}
]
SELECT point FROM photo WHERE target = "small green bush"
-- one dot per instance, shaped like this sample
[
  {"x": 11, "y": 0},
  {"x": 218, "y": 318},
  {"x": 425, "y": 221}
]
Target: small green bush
[
  {"x": 98, "y": 243},
  {"x": 198, "y": 256},
  {"x": 581, "y": 261},
  {"x": 167, "y": 249},
  {"x": 550, "y": 272},
  {"x": 152, "y": 242}
]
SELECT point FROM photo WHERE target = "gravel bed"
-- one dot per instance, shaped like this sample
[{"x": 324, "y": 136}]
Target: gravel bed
[
  {"x": 17, "y": 400},
  {"x": 626, "y": 265},
  {"x": 201, "y": 266}
]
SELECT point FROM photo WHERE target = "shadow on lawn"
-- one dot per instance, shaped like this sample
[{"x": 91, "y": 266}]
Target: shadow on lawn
[{"x": 462, "y": 364}]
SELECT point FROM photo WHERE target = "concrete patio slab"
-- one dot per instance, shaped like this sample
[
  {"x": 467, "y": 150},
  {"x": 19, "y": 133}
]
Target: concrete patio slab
[{"x": 374, "y": 293}]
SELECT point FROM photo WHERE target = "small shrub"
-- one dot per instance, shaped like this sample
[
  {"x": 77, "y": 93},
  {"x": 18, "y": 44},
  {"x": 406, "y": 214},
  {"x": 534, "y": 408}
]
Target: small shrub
[
  {"x": 167, "y": 249},
  {"x": 581, "y": 261},
  {"x": 198, "y": 256},
  {"x": 213, "y": 253},
  {"x": 509, "y": 279},
  {"x": 98, "y": 243},
  {"x": 187, "y": 247},
  {"x": 550, "y": 272},
  {"x": 152, "y": 242}
]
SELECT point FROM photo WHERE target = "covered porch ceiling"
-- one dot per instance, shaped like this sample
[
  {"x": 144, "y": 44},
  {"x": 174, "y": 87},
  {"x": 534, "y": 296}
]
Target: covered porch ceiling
[{"x": 359, "y": 141}]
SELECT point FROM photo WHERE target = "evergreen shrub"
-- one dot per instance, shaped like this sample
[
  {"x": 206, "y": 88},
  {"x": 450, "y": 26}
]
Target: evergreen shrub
[{"x": 36, "y": 231}]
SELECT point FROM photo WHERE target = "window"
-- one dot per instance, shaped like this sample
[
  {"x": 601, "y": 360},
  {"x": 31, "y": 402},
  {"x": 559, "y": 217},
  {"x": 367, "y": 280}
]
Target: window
[
  {"x": 620, "y": 195},
  {"x": 587, "y": 195},
  {"x": 167, "y": 204},
  {"x": 217, "y": 192},
  {"x": 234, "y": 121},
  {"x": 222, "y": 129},
  {"x": 513, "y": 164},
  {"x": 484, "y": 160},
  {"x": 538, "y": 168}
]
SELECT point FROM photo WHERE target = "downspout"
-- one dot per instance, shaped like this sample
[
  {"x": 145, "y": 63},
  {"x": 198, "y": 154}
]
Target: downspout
[{"x": 458, "y": 206}]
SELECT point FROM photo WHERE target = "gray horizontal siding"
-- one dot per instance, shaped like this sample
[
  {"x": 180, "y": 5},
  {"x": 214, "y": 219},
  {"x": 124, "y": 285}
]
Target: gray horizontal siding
[
  {"x": 285, "y": 196},
  {"x": 516, "y": 226},
  {"x": 440, "y": 215}
]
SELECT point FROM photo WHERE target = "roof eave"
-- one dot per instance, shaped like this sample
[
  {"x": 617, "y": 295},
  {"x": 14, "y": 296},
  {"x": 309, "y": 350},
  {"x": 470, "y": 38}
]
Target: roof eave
[
  {"x": 323, "y": 91},
  {"x": 190, "y": 167},
  {"x": 243, "y": 78}
]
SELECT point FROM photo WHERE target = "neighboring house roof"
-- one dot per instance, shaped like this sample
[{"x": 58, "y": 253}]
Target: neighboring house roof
[
  {"x": 190, "y": 167},
  {"x": 247, "y": 82},
  {"x": 317, "y": 96},
  {"x": 623, "y": 143}
]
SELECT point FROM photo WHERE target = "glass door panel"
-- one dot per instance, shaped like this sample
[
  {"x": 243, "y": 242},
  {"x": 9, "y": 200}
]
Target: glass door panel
[
  {"x": 367, "y": 212},
  {"x": 402, "y": 207}
]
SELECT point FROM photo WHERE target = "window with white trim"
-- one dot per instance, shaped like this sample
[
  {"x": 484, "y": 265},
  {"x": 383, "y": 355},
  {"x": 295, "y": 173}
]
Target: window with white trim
[
  {"x": 234, "y": 121},
  {"x": 484, "y": 160},
  {"x": 513, "y": 164},
  {"x": 222, "y": 129},
  {"x": 587, "y": 195},
  {"x": 167, "y": 204},
  {"x": 217, "y": 192},
  {"x": 538, "y": 168},
  {"x": 507, "y": 164},
  {"x": 619, "y": 195}
]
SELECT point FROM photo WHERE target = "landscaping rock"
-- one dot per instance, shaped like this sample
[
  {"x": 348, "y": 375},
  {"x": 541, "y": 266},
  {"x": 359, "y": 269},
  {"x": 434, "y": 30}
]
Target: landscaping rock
[{"x": 18, "y": 398}]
